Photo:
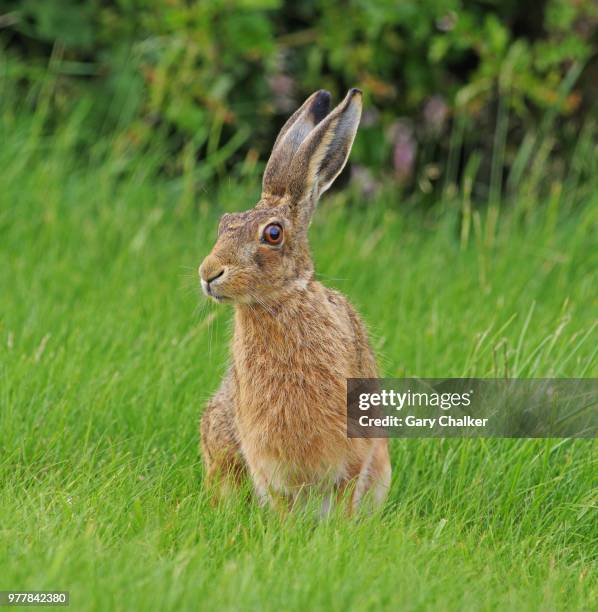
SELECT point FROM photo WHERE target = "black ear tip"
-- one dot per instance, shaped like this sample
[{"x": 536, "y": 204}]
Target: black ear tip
[
  {"x": 354, "y": 91},
  {"x": 321, "y": 105},
  {"x": 323, "y": 96}
]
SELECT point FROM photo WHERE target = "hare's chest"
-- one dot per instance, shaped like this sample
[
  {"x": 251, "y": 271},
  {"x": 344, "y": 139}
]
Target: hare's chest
[
  {"x": 292, "y": 436},
  {"x": 291, "y": 399}
]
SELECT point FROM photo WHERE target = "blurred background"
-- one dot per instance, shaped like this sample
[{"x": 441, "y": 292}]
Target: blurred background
[{"x": 489, "y": 93}]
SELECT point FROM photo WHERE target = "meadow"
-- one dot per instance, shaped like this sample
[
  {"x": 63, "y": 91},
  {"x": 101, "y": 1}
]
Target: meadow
[{"x": 108, "y": 353}]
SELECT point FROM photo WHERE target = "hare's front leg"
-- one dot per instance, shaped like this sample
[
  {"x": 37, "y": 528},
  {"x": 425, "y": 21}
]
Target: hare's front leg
[
  {"x": 221, "y": 452},
  {"x": 262, "y": 488},
  {"x": 267, "y": 484},
  {"x": 367, "y": 482},
  {"x": 373, "y": 481}
]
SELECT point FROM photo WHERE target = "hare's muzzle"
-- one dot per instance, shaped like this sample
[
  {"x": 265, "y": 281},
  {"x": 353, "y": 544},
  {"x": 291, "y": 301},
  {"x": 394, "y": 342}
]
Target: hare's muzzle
[{"x": 209, "y": 272}]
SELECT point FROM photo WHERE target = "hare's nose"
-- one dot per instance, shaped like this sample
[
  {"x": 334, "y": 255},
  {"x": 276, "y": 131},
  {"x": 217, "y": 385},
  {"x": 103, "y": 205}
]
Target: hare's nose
[
  {"x": 215, "y": 276},
  {"x": 210, "y": 270}
]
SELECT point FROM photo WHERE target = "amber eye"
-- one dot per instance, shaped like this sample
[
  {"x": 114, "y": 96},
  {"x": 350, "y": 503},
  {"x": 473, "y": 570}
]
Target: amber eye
[{"x": 272, "y": 234}]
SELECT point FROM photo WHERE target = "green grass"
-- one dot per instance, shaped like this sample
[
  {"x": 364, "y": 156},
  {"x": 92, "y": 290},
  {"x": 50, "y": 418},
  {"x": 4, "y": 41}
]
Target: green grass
[{"x": 108, "y": 353}]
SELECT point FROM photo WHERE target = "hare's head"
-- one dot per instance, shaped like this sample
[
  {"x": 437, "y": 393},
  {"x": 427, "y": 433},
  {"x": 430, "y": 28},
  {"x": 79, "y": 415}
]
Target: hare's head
[{"x": 264, "y": 252}]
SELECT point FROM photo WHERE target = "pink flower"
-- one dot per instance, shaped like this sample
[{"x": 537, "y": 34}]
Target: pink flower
[{"x": 404, "y": 149}]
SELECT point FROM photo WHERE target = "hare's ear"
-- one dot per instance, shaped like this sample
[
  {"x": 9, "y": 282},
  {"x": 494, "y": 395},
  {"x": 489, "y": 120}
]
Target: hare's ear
[
  {"x": 292, "y": 134},
  {"x": 322, "y": 156}
]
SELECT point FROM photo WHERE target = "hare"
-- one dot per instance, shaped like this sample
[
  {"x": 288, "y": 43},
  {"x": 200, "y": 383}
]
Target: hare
[{"x": 280, "y": 413}]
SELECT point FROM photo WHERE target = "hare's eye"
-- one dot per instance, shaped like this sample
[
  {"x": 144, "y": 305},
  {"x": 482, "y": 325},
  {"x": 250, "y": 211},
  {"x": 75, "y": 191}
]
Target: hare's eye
[{"x": 272, "y": 234}]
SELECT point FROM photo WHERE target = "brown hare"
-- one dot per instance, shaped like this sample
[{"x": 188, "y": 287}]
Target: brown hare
[{"x": 280, "y": 413}]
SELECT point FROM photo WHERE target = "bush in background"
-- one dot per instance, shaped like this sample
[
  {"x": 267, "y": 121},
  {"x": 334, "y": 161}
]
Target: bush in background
[{"x": 453, "y": 88}]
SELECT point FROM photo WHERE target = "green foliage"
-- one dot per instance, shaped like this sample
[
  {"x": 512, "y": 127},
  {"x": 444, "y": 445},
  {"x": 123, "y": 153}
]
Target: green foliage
[{"x": 204, "y": 77}]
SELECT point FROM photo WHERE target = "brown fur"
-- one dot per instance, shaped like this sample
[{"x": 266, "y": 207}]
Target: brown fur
[{"x": 280, "y": 412}]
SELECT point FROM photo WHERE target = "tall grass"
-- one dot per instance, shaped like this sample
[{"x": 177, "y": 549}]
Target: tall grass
[{"x": 107, "y": 354}]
